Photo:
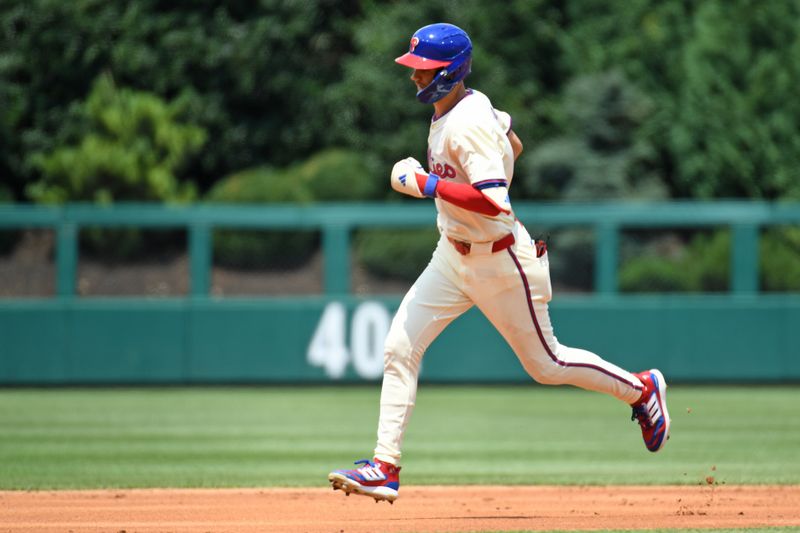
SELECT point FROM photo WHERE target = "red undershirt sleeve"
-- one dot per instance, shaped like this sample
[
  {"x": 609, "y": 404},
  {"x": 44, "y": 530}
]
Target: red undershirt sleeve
[{"x": 462, "y": 195}]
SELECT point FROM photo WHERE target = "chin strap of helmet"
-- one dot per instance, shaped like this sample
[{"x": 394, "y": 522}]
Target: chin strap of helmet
[{"x": 446, "y": 79}]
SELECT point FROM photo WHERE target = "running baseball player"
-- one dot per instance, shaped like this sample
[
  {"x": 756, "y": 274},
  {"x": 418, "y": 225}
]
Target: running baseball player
[{"x": 485, "y": 257}]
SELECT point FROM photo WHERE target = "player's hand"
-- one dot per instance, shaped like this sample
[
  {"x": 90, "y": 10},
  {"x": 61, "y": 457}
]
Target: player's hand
[
  {"x": 408, "y": 177},
  {"x": 404, "y": 177}
]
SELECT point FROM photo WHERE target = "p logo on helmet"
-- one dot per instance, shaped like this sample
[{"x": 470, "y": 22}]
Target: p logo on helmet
[{"x": 436, "y": 46}]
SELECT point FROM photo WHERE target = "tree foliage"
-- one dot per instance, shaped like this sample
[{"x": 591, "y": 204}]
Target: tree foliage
[
  {"x": 134, "y": 146},
  {"x": 599, "y": 156},
  {"x": 274, "y": 82},
  {"x": 257, "y": 73},
  {"x": 722, "y": 77}
]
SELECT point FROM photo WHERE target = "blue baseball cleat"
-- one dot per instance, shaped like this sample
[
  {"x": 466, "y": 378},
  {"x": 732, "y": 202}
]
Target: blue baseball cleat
[
  {"x": 376, "y": 479},
  {"x": 651, "y": 410}
]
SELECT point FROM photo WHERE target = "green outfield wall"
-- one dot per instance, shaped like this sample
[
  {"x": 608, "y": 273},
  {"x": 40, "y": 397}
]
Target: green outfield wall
[{"x": 740, "y": 336}]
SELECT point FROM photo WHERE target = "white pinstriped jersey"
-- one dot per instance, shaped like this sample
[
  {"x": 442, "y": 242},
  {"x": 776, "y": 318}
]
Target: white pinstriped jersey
[{"x": 469, "y": 144}]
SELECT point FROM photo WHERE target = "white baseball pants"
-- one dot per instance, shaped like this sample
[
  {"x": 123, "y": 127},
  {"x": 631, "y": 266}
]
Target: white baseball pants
[{"x": 512, "y": 289}]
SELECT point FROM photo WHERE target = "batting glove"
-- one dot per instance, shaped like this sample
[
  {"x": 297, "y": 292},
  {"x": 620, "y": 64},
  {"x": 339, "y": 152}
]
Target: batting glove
[{"x": 408, "y": 177}]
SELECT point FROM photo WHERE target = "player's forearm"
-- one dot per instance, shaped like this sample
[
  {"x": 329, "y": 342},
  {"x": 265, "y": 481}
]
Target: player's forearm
[
  {"x": 516, "y": 143},
  {"x": 462, "y": 195}
]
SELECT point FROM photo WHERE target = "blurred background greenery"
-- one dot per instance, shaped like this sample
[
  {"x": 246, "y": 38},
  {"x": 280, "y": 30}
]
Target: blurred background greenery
[{"x": 275, "y": 101}]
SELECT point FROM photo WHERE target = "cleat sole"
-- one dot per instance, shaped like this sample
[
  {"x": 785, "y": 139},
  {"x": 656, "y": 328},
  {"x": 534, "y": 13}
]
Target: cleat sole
[{"x": 349, "y": 486}]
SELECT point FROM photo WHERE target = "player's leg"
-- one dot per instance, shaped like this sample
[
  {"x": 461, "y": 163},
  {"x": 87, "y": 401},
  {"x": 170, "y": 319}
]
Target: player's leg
[
  {"x": 517, "y": 305},
  {"x": 430, "y": 305},
  {"x": 433, "y": 302},
  {"x": 552, "y": 363},
  {"x": 519, "y": 310}
]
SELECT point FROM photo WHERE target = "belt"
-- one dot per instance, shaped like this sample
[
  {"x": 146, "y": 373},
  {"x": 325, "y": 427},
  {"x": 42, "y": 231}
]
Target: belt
[{"x": 464, "y": 248}]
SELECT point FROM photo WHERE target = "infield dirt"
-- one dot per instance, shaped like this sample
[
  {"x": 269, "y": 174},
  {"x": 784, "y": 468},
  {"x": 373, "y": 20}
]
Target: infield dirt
[{"x": 432, "y": 509}]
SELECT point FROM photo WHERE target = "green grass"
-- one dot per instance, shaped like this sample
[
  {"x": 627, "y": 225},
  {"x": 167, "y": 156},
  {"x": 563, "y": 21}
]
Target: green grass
[{"x": 293, "y": 436}]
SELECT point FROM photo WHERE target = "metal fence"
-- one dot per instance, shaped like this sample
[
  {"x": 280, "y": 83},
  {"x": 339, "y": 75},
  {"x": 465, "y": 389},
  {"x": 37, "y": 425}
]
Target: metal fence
[{"x": 336, "y": 223}]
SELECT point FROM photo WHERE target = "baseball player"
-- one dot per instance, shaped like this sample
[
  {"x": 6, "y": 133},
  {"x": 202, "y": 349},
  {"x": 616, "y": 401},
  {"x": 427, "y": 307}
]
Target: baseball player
[{"x": 485, "y": 257}]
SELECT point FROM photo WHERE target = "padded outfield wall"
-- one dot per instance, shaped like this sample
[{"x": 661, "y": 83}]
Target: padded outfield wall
[{"x": 744, "y": 335}]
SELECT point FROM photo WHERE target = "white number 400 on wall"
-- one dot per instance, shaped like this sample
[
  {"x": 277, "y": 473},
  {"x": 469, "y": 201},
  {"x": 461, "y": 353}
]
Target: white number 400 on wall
[{"x": 368, "y": 329}]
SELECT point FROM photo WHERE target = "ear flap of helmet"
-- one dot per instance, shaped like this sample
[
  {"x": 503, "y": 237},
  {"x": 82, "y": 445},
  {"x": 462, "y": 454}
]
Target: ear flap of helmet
[
  {"x": 457, "y": 70},
  {"x": 446, "y": 79}
]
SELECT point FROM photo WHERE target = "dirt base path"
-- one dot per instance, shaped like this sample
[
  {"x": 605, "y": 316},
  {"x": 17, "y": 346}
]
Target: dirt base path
[{"x": 432, "y": 509}]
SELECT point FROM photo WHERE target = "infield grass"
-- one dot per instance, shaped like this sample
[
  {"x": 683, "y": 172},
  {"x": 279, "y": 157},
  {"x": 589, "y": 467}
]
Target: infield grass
[{"x": 293, "y": 436}]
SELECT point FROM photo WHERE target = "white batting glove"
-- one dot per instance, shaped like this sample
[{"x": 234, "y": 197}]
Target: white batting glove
[{"x": 404, "y": 177}]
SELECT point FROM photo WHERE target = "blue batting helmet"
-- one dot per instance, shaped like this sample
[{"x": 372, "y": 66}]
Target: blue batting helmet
[{"x": 441, "y": 46}]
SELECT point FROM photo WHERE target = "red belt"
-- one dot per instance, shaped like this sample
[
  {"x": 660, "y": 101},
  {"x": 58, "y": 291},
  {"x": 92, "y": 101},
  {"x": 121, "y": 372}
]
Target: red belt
[{"x": 464, "y": 247}]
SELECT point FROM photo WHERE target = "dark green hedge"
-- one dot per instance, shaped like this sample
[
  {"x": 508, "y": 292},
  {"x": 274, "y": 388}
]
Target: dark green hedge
[
  {"x": 703, "y": 265},
  {"x": 394, "y": 253},
  {"x": 780, "y": 259},
  {"x": 8, "y": 238},
  {"x": 332, "y": 175}
]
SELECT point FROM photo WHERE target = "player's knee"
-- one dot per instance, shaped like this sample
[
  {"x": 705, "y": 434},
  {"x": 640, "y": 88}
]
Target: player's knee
[
  {"x": 398, "y": 350},
  {"x": 396, "y": 346},
  {"x": 543, "y": 378},
  {"x": 547, "y": 374}
]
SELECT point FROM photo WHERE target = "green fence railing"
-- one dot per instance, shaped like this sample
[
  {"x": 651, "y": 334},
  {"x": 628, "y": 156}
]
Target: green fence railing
[{"x": 337, "y": 221}]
